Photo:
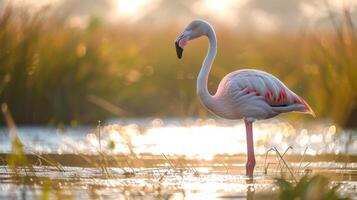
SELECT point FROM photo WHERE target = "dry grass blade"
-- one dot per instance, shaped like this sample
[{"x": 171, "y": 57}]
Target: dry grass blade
[
  {"x": 9, "y": 121},
  {"x": 168, "y": 160},
  {"x": 84, "y": 157},
  {"x": 279, "y": 162},
  {"x": 99, "y": 133},
  {"x": 50, "y": 161},
  {"x": 265, "y": 161},
  {"x": 286, "y": 165},
  {"x": 298, "y": 170}
]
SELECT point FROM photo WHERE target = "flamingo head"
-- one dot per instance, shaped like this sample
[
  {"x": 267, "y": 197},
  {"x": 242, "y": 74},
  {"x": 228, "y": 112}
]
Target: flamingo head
[{"x": 196, "y": 28}]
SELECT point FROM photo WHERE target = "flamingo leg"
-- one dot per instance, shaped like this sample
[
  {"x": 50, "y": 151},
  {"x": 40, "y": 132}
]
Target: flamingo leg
[{"x": 250, "y": 149}]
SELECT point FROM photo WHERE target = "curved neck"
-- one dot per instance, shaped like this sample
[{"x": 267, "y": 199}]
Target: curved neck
[{"x": 202, "y": 91}]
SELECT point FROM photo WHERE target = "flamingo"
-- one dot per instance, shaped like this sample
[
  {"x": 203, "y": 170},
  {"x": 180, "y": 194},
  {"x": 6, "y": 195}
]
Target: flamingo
[{"x": 247, "y": 94}]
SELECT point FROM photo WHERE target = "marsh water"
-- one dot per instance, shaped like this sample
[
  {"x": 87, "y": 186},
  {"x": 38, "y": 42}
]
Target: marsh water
[{"x": 175, "y": 159}]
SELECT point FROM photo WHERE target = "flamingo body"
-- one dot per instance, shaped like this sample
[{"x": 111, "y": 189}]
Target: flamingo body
[
  {"x": 254, "y": 94},
  {"x": 247, "y": 94}
]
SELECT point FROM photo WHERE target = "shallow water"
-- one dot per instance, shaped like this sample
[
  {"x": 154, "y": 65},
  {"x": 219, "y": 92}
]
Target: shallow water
[
  {"x": 195, "y": 138},
  {"x": 175, "y": 159},
  {"x": 160, "y": 182}
]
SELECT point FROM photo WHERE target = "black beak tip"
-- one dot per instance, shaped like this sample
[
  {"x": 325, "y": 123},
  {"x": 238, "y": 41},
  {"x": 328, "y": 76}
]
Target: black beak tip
[{"x": 179, "y": 50}]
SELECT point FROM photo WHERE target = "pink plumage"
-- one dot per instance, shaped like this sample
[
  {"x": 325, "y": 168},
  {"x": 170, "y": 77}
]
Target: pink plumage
[
  {"x": 255, "y": 94},
  {"x": 247, "y": 94}
]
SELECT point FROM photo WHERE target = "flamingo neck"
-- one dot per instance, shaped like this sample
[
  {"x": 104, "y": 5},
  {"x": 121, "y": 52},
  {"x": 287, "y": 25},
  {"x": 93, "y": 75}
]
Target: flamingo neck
[{"x": 202, "y": 91}]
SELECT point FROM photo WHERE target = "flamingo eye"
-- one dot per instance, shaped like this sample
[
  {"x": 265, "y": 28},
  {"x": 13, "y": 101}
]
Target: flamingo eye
[{"x": 192, "y": 27}]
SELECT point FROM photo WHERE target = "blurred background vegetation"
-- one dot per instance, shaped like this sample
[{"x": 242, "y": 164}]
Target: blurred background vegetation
[{"x": 56, "y": 67}]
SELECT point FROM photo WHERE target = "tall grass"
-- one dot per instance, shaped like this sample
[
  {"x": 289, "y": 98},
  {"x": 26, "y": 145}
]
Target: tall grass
[
  {"x": 52, "y": 72},
  {"x": 334, "y": 55}
]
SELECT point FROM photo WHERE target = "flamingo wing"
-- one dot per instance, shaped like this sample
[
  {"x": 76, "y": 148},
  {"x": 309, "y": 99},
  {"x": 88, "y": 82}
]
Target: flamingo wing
[{"x": 272, "y": 96}]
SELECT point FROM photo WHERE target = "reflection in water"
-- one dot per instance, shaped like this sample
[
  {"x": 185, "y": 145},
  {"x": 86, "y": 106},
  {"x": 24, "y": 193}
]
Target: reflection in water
[{"x": 250, "y": 192}]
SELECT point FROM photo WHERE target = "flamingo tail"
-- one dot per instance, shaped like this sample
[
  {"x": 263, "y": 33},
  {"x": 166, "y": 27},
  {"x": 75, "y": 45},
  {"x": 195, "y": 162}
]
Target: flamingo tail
[{"x": 308, "y": 108}]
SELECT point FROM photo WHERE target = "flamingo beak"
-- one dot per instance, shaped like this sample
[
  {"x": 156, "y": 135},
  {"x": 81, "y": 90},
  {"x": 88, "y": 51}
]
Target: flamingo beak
[
  {"x": 179, "y": 50},
  {"x": 180, "y": 42}
]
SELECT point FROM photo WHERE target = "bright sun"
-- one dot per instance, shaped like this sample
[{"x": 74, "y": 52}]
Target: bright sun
[
  {"x": 217, "y": 5},
  {"x": 224, "y": 10},
  {"x": 129, "y": 8}
]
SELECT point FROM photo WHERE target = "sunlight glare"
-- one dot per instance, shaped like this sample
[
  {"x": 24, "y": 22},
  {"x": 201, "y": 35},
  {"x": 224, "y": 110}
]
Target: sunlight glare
[
  {"x": 129, "y": 8},
  {"x": 115, "y": 136},
  {"x": 204, "y": 139},
  {"x": 92, "y": 139},
  {"x": 224, "y": 10},
  {"x": 133, "y": 10},
  {"x": 332, "y": 130}
]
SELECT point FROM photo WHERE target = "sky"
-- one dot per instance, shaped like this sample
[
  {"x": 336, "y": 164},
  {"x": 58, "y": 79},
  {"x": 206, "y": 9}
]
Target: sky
[{"x": 260, "y": 15}]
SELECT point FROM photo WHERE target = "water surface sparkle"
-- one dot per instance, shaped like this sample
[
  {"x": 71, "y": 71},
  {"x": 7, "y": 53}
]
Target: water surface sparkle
[{"x": 201, "y": 139}]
